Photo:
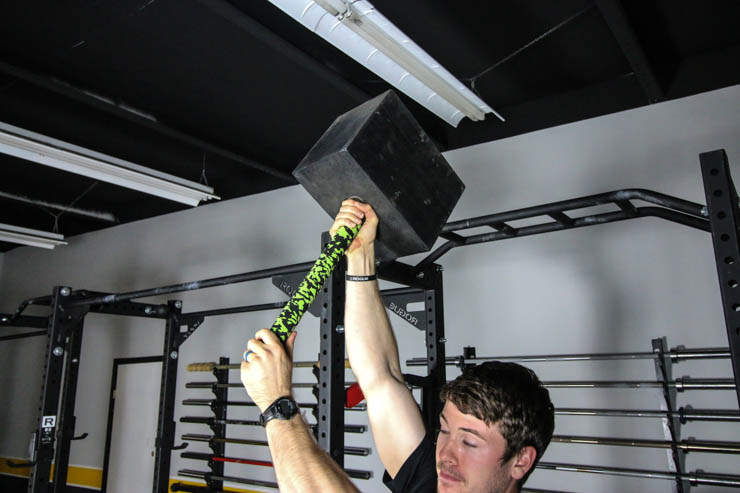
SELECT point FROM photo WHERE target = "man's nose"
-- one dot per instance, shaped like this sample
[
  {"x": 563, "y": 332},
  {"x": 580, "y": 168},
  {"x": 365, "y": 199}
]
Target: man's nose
[{"x": 447, "y": 452}]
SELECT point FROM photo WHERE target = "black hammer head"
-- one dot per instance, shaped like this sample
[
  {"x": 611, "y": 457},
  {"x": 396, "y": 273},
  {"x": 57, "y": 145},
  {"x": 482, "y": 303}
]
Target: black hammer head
[{"x": 379, "y": 152}]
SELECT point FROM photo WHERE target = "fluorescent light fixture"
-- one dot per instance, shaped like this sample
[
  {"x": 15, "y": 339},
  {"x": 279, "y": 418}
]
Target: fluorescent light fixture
[
  {"x": 31, "y": 237},
  {"x": 41, "y": 149},
  {"x": 363, "y": 33}
]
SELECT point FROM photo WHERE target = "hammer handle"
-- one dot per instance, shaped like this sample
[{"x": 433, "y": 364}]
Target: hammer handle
[{"x": 310, "y": 286}]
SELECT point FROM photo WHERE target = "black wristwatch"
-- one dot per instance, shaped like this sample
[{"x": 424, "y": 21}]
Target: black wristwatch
[{"x": 283, "y": 408}]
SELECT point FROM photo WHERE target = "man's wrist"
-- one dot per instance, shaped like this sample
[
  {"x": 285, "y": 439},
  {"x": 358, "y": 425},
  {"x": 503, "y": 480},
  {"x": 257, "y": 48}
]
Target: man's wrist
[
  {"x": 283, "y": 408},
  {"x": 267, "y": 401},
  {"x": 361, "y": 262},
  {"x": 279, "y": 426}
]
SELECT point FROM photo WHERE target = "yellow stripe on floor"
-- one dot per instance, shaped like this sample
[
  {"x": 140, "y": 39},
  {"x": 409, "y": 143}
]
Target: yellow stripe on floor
[
  {"x": 89, "y": 477},
  {"x": 228, "y": 488}
]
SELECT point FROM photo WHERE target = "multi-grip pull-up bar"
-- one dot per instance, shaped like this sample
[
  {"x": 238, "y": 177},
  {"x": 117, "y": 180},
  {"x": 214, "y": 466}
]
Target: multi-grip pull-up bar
[{"x": 671, "y": 208}]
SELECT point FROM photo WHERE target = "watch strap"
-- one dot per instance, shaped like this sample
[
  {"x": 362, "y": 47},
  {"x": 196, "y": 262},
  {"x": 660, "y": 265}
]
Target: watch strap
[{"x": 283, "y": 408}]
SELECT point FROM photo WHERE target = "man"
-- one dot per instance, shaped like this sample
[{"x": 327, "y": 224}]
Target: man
[{"x": 496, "y": 422}]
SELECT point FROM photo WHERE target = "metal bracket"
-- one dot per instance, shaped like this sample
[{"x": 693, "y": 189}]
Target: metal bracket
[
  {"x": 192, "y": 323},
  {"x": 399, "y": 303},
  {"x": 468, "y": 353},
  {"x": 418, "y": 380}
]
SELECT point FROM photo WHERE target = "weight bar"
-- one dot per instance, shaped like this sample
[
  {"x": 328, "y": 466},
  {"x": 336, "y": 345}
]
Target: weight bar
[
  {"x": 214, "y": 421},
  {"x": 675, "y": 354},
  {"x": 190, "y": 473},
  {"x": 352, "y": 473},
  {"x": 689, "y": 445},
  {"x": 193, "y": 437},
  {"x": 195, "y": 489},
  {"x": 680, "y": 384},
  {"x": 22, "y": 335},
  {"x": 695, "y": 478},
  {"x": 210, "y": 366},
  {"x": 683, "y": 414},
  {"x": 538, "y": 490},
  {"x": 210, "y": 402},
  {"x": 214, "y": 385}
]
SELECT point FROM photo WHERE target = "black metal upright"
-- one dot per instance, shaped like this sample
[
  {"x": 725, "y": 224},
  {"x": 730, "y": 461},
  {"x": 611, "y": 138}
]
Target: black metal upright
[
  {"x": 330, "y": 416},
  {"x": 429, "y": 279},
  {"x": 724, "y": 218},
  {"x": 166, "y": 423},
  {"x": 435, "y": 345},
  {"x": 63, "y": 348},
  {"x": 67, "y": 419},
  {"x": 670, "y": 423}
]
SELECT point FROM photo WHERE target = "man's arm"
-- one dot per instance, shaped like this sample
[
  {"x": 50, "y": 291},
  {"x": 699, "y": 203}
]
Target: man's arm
[
  {"x": 394, "y": 416},
  {"x": 300, "y": 464}
]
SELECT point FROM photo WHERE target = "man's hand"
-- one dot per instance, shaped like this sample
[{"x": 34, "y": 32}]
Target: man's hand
[
  {"x": 267, "y": 373},
  {"x": 351, "y": 214}
]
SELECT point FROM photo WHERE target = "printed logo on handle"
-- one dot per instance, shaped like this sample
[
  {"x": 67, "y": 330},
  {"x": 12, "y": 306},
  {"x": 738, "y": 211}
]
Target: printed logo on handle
[{"x": 48, "y": 421}]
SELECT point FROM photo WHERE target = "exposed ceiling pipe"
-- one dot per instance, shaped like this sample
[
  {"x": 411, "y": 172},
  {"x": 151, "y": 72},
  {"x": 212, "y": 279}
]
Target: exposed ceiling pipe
[
  {"x": 126, "y": 112},
  {"x": 98, "y": 215}
]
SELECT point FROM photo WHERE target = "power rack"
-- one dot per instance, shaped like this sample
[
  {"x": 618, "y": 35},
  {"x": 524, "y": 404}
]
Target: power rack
[{"x": 68, "y": 308}]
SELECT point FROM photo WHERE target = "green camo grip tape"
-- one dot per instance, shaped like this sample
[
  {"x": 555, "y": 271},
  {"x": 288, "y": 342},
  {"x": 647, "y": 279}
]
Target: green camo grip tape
[{"x": 310, "y": 286}]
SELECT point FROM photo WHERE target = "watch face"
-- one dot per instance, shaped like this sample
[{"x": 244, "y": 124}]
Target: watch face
[{"x": 286, "y": 407}]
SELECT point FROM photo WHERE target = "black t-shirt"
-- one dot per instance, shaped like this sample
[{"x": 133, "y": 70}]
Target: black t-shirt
[{"x": 419, "y": 473}]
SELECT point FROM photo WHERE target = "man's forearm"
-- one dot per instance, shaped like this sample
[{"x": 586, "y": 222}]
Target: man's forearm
[
  {"x": 371, "y": 345},
  {"x": 300, "y": 464}
]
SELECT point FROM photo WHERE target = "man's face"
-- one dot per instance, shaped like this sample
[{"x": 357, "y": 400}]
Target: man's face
[{"x": 469, "y": 455}]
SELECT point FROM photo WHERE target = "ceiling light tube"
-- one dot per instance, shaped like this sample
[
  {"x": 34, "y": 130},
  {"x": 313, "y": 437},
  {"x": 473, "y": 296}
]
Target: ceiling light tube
[
  {"x": 41, "y": 149},
  {"x": 30, "y": 237},
  {"x": 372, "y": 40}
]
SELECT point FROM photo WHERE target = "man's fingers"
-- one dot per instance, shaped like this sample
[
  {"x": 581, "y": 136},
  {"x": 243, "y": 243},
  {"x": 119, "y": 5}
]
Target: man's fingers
[
  {"x": 349, "y": 217},
  {"x": 290, "y": 344},
  {"x": 342, "y": 222},
  {"x": 267, "y": 337},
  {"x": 255, "y": 347}
]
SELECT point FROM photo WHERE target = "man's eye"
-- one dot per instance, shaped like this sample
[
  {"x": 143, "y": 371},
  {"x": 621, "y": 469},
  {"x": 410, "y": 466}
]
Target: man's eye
[
  {"x": 468, "y": 444},
  {"x": 444, "y": 432}
]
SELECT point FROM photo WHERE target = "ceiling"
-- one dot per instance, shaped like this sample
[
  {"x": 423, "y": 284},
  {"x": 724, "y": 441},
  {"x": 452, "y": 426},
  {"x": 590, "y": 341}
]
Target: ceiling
[{"x": 234, "y": 92}]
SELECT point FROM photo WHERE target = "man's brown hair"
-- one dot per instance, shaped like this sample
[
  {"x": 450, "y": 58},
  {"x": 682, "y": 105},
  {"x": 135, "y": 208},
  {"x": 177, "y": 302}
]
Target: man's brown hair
[{"x": 510, "y": 396}]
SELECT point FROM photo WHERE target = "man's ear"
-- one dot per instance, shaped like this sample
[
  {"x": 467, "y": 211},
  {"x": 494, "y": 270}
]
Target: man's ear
[{"x": 523, "y": 462}]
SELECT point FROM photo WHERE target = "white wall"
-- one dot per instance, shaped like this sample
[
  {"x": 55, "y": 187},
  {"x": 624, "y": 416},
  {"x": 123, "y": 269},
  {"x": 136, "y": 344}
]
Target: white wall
[{"x": 600, "y": 289}]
